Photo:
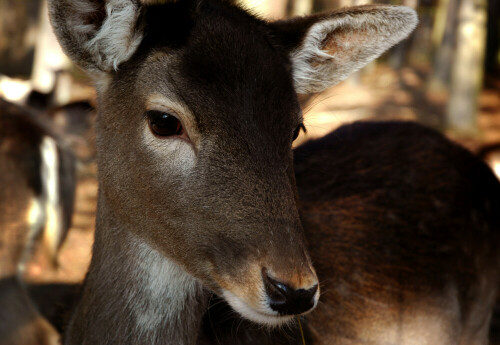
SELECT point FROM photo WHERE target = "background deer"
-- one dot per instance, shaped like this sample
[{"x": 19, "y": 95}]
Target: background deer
[
  {"x": 37, "y": 183},
  {"x": 197, "y": 193}
]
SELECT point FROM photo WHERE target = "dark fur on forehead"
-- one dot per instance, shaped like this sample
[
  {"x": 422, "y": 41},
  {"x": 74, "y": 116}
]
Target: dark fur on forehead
[
  {"x": 228, "y": 64},
  {"x": 229, "y": 44},
  {"x": 231, "y": 57},
  {"x": 169, "y": 24}
]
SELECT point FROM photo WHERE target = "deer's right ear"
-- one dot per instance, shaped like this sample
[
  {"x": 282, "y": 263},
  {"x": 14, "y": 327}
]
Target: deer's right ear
[
  {"x": 97, "y": 34},
  {"x": 324, "y": 49}
]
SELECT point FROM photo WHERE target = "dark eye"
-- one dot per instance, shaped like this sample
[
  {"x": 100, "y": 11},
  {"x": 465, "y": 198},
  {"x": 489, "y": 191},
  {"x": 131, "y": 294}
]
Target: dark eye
[
  {"x": 297, "y": 130},
  {"x": 164, "y": 124}
]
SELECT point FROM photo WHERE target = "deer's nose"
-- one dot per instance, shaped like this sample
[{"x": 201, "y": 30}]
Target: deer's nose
[{"x": 286, "y": 300}]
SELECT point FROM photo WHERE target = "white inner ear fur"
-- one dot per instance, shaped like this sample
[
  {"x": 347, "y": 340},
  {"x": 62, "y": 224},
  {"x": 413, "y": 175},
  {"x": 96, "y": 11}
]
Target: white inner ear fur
[
  {"x": 118, "y": 38},
  {"x": 354, "y": 39}
]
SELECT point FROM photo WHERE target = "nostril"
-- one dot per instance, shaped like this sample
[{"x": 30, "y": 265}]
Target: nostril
[
  {"x": 286, "y": 300},
  {"x": 276, "y": 291}
]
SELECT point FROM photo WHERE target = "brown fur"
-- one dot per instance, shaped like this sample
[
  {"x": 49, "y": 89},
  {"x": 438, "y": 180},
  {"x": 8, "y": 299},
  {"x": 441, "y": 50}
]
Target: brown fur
[{"x": 410, "y": 224}]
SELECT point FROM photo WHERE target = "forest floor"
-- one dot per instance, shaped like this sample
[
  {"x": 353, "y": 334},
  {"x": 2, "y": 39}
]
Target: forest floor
[{"x": 382, "y": 95}]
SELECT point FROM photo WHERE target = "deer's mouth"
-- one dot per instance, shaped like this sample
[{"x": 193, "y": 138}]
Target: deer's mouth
[{"x": 261, "y": 313}]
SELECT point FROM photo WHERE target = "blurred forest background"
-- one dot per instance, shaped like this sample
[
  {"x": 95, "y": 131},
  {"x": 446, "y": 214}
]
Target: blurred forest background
[{"x": 446, "y": 75}]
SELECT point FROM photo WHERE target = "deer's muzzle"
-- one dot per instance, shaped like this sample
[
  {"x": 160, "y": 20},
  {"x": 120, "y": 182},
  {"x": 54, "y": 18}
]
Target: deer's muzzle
[{"x": 271, "y": 298}]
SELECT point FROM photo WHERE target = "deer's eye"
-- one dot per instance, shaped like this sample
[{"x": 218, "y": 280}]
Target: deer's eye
[
  {"x": 297, "y": 130},
  {"x": 164, "y": 124}
]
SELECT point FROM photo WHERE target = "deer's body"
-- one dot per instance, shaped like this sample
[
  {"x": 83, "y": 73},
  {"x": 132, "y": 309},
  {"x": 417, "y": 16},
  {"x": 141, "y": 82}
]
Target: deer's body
[
  {"x": 410, "y": 225},
  {"x": 197, "y": 194},
  {"x": 36, "y": 200}
]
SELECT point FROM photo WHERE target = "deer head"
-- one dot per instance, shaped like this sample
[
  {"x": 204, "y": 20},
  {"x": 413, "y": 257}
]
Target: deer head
[{"x": 197, "y": 114}]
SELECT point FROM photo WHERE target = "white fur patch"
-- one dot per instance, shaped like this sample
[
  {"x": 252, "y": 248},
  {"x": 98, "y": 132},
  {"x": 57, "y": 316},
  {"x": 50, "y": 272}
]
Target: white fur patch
[
  {"x": 51, "y": 194},
  {"x": 166, "y": 288},
  {"x": 174, "y": 154},
  {"x": 358, "y": 38},
  {"x": 36, "y": 214},
  {"x": 117, "y": 38},
  {"x": 36, "y": 221}
]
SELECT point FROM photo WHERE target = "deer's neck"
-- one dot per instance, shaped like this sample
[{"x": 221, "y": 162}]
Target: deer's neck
[{"x": 134, "y": 295}]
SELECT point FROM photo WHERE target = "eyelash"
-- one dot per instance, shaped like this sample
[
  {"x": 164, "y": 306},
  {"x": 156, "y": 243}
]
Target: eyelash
[{"x": 297, "y": 130}]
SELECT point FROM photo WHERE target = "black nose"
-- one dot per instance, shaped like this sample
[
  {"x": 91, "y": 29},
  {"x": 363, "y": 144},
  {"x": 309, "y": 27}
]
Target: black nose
[{"x": 286, "y": 300}]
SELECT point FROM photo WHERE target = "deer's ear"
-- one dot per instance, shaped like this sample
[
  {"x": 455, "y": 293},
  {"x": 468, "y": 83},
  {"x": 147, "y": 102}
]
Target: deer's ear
[
  {"x": 97, "y": 34},
  {"x": 326, "y": 48}
]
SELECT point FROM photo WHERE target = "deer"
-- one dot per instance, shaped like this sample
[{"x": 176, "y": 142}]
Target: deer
[
  {"x": 37, "y": 185},
  {"x": 203, "y": 205}
]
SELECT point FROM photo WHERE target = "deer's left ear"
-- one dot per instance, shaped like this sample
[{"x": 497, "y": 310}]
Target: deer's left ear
[{"x": 326, "y": 48}]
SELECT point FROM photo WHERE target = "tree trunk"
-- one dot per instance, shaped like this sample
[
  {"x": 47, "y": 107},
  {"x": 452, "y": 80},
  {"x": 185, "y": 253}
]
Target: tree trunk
[
  {"x": 467, "y": 72},
  {"x": 444, "y": 38}
]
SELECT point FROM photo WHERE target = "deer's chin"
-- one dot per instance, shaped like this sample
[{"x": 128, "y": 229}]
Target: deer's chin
[{"x": 263, "y": 315}]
